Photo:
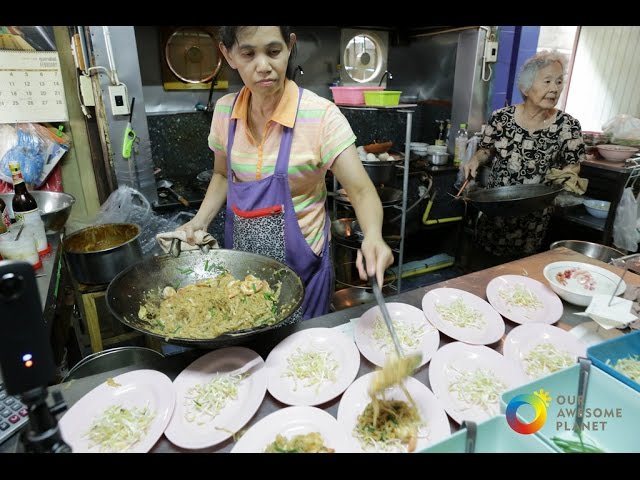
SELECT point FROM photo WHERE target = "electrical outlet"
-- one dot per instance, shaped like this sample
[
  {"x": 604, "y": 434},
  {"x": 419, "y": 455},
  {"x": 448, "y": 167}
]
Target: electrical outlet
[
  {"x": 491, "y": 52},
  {"x": 119, "y": 99},
  {"x": 86, "y": 90}
]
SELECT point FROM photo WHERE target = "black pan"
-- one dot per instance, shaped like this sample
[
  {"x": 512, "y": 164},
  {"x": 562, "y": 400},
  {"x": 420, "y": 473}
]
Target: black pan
[
  {"x": 513, "y": 200},
  {"x": 126, "y": 290}
]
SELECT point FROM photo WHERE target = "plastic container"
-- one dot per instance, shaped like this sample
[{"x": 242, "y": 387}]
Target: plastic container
[
  {"x": 493, "y": 436},
  {"x": 386, "y": 98},
  {"x": 612, "y": 409},
  {"x": 614, "y": 349},
  {"x": 34, "y": 226},
  {"x": 351, "y": 95},
  {"x": 22, "y": 249}
]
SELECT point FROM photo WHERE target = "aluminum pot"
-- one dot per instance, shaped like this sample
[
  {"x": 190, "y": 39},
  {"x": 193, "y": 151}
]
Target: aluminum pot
[{"x": 96, "y": 254}]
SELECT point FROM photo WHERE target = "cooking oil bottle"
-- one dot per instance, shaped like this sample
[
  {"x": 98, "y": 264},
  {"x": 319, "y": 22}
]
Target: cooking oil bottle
[{"x": 461, "y": 144}]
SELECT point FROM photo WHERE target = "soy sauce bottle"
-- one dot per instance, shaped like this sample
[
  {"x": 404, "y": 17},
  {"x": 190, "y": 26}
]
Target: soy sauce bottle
[{"x": 23, "y": 202}]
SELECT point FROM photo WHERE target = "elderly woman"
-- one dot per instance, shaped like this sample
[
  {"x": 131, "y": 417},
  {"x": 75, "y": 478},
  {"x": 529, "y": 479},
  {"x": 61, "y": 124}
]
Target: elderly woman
[
  {"x": 274, "y": 143},
  {"x": 525, "y": 141}
]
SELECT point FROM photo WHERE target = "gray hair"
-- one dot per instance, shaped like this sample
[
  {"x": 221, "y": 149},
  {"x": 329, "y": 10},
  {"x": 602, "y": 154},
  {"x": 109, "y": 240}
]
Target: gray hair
[{"x": 534, "y": 64}]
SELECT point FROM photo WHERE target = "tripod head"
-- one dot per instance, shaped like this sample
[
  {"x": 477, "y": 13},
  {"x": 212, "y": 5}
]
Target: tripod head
[{"x": 26, "y": 359}]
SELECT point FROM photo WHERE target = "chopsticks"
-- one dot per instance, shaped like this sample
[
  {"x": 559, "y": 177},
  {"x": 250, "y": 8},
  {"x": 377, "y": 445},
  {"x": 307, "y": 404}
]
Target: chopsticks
[{"x": 464, "y": 185}]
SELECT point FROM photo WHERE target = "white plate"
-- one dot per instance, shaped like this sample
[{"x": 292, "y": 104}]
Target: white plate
[
  {"x": 292, "y": 421},
  {"x": 491, "y": 332},
  {"x": 234, "y": 415},
  {"x": 376, "y": 351},
  {"x": 138, "y": 388},
  {"x": 549, "y": 312},
  {"x": 356, "y": 399},
  {"x": 340, "y": 347},
  {"x": 468, "y": 358},
  {"x": 591, "y": 333},
  {"x": 521, "y": 340}
]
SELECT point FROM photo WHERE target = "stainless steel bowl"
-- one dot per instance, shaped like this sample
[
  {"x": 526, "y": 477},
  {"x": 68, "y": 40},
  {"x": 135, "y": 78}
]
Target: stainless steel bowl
[
  {"x": 55, "y": 208},
  {"x": 589, "y": 249}
]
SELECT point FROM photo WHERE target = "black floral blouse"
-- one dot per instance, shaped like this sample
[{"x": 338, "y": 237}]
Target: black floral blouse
[{"x": 520, "y": 157}]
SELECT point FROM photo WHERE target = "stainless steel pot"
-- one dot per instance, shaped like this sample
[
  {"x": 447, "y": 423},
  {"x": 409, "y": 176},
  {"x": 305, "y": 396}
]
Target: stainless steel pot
[
  {"x": 96, "y": 254},
  {"x": 125, "y": 293},
  {"x": 112, "y": 359},
  {"x": 438, "y": 158},
  {"x": 381, "y": 172}
]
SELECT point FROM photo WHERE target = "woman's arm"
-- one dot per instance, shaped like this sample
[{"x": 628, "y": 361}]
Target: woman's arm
[
  {"x": 213, "y": 200},
  {"x": 349, "y": 171}
]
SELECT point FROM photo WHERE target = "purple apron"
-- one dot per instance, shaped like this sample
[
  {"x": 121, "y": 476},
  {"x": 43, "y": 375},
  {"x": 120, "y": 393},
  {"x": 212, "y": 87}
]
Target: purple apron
[{"x": 261, "y": 219}]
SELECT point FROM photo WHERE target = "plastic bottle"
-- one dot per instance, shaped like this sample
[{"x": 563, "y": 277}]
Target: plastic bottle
[
  {"x": 34, "y": 226},
  {"x": 461, "y": 144}
]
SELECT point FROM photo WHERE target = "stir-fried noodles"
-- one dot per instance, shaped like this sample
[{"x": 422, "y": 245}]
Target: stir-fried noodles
[
  {"x": 395, "y": 428},
  {"x": 211, "y": 307},
  {"x": 305, "y": 443}
]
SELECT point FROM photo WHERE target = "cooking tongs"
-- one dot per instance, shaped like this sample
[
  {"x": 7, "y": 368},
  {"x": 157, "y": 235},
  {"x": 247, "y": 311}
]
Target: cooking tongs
[
  {"x": 385, "y": 314},
  {"x": 175, "y": 250}
]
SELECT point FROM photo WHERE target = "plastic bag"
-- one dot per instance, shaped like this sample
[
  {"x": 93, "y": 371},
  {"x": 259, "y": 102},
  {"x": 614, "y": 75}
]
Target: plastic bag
[
  {"x": 127, "y": 205},
  {"x": 625, "y": 234},
  {"x": 624, "y": 130},
  {"x": 34, "y": 147}
]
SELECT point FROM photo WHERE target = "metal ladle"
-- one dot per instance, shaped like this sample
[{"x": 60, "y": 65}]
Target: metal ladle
[{"x": 166, "y": 184}]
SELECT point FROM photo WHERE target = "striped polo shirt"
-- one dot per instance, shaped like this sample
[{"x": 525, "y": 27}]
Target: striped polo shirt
[{"x": 321, "y": 133}]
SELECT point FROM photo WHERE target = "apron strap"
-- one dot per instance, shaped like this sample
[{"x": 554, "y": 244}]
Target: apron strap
[{"x": 282, "y": 164}]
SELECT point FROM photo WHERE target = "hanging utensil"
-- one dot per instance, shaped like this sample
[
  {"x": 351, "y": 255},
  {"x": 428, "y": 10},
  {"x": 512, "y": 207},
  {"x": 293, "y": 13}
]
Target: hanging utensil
[
  {"x": 166, "y": 184},
  {"x": 472, "y": 433},
  {"x": 129, "y": 134}
]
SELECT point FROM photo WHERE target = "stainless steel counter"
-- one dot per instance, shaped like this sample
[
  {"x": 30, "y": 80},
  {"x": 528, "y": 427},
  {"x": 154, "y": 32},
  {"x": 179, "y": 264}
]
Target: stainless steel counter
[{"x": 475, "y": 283}]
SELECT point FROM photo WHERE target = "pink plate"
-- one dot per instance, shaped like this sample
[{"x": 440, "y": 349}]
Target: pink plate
[{"x": 546, "y": 306}]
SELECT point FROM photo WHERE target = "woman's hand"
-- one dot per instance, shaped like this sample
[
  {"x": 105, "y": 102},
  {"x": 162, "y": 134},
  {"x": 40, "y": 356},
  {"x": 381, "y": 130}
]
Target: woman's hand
[
  {"x": 470, "y": 168},
  {"x": 378, "y": 257},
  {"x": 191, "y": 227}
]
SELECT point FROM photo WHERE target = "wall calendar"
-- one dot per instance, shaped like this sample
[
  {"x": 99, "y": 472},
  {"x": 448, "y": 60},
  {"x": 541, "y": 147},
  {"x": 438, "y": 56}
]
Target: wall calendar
[{"x": 31, "y": 88}]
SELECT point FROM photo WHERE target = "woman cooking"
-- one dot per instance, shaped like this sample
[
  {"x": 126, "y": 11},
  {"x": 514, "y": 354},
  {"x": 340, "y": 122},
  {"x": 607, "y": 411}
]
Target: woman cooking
[
  {"x": 274, "y": 143},
  {"x": 525, "y": 142}
]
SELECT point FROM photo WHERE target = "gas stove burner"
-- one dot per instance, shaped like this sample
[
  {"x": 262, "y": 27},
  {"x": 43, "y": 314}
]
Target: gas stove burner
[
  {"x": 187, "y": 186},
  {"x": 205, "y": 176}
]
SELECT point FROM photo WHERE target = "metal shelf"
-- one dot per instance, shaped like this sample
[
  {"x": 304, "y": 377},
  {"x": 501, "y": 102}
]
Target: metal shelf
[{"x": 405, "y": 108}]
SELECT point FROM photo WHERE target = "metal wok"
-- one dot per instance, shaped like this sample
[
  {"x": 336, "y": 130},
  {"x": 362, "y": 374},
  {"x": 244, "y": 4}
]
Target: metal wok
[
  {"x": 126, "y": 290},
  {"x": 513, "y": 200}
]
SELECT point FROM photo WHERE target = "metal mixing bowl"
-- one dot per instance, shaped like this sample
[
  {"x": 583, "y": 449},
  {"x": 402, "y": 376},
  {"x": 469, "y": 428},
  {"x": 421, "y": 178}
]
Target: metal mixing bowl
[
  {"x": 589, "y": 249},
  {"x": 55, "y": 207}
]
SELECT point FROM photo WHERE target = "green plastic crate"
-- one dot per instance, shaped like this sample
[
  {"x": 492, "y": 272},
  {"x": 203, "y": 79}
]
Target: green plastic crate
[
  {"x": 608, "y": 400},
  {"x": 493, "y": 436},
  {"x": 383, "y": 98}
]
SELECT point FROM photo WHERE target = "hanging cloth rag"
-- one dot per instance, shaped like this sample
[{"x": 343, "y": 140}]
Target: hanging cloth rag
[{"x": 569, "y": 175}]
